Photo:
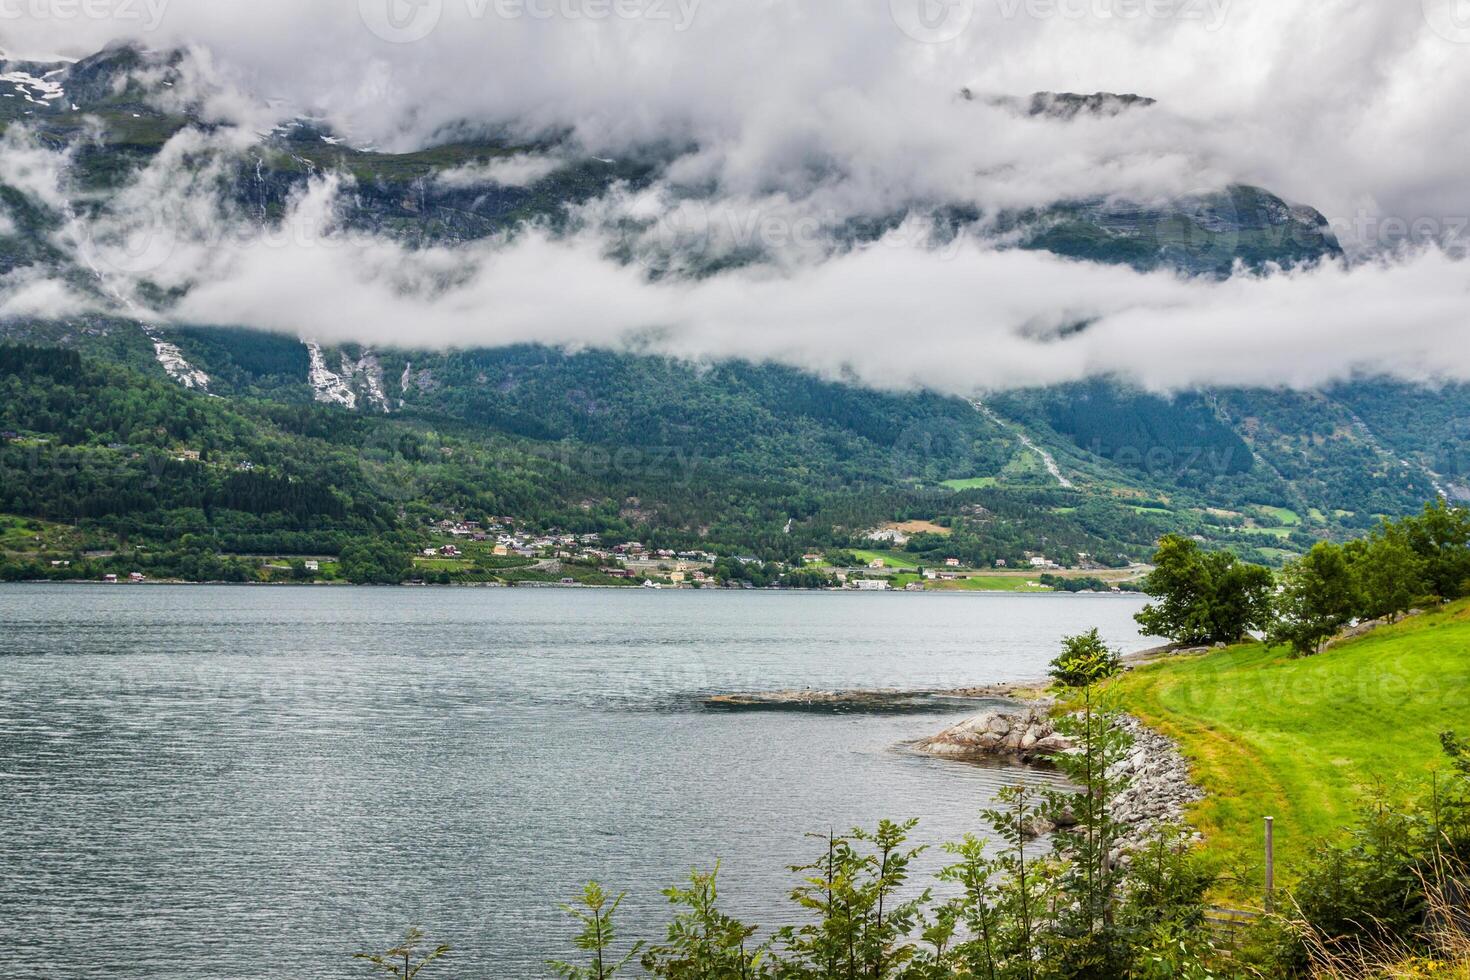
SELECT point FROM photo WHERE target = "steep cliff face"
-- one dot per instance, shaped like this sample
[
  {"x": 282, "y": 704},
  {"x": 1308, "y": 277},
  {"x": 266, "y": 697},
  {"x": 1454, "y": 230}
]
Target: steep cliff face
[{"x": 1200, "y": 234}]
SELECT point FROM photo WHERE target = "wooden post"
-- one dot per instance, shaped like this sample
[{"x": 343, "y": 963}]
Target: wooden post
[{"x": 1270, "y": 863}]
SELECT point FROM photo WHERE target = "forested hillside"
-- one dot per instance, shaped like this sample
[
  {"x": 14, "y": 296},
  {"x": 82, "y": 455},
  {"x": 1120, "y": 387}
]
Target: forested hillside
[{"x": 302, "y": 447}]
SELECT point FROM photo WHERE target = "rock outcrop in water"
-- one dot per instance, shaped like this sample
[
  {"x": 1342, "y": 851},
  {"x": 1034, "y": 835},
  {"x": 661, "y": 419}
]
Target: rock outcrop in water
[
  {"x": 1020, "y": 734},
  {"x": 865, "y": 701},
  {"x": 1159, "y": 789}
]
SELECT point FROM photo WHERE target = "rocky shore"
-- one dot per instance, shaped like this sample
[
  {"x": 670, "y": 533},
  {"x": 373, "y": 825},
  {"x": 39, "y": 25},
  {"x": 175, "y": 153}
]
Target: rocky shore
[{"x": 1159, "y": 789}]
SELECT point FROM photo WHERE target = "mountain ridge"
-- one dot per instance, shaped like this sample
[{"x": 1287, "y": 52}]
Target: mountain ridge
[{"x": 1093, "y": 464}]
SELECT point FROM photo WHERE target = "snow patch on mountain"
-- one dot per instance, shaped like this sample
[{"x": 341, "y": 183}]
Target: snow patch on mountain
[{"x": 40, "y": 91}]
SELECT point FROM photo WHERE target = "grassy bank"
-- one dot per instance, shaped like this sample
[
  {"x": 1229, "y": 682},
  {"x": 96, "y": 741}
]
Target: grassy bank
[{"x": 1303, "y": 739}]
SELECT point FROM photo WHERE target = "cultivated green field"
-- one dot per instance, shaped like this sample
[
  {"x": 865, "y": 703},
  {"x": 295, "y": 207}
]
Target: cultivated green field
[
  {"x": 989, "y": 583},
  {"x": 1284, "y": 516},
  {"x": 893, "y": 559},
  {"x": 974, "y": 483},
  {"x": 1304, "y": 739},
  {"x": 1276, "y": 532}
]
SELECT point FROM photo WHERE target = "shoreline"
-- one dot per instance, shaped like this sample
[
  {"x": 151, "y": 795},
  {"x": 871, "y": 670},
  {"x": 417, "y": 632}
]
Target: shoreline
[
  {"x": 1160, "y": 788},
  {"x": 1017, "y": 692},
  {"x": 579, "y": 586}
]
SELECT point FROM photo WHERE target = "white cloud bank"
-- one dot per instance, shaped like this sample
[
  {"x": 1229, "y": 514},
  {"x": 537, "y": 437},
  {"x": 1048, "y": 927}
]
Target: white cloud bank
[
  {"x": 807, "y": 110},
  {"x": 963, "y": 319},
  {"x": 1355, "y": 108}
]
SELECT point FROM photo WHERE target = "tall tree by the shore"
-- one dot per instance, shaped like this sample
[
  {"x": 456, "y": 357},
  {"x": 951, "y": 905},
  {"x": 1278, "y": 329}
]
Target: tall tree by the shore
[
  {"x": 1204, "y": 596},
  {"x": 1388, "y": 574},
  {"x": 1317, "y": 599}
]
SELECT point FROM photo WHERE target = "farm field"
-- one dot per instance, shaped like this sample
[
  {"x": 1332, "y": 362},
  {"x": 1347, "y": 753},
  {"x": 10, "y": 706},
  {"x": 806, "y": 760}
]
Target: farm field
[
  {"x": 974, "y": 483},
  {"x": 892, "y": 559}
]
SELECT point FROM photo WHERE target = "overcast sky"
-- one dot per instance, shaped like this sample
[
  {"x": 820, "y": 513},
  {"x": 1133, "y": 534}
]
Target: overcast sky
[{"x": 803, "y": 113}]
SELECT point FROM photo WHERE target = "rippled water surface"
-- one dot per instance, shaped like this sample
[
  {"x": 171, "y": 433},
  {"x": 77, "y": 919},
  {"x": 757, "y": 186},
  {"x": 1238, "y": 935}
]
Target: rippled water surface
[{"x": 202, "y": 782}]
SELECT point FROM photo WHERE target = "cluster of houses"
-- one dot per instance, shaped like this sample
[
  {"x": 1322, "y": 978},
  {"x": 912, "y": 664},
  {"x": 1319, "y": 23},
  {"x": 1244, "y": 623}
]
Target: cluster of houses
[
  {"x": 630, "y": 559},
  {"x": 505, "y": 540}
]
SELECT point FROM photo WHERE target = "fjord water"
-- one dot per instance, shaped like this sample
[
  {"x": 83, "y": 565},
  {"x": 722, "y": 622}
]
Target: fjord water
[{"x": 201, "y": 782}]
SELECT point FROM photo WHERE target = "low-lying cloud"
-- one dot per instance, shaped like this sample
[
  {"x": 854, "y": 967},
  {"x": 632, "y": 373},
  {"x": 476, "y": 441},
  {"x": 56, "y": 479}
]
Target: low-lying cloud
[
  {"x": 899, "y": 312},
  {"x": 792, "y": 119},
  {"x": 1354, "y": 108}
]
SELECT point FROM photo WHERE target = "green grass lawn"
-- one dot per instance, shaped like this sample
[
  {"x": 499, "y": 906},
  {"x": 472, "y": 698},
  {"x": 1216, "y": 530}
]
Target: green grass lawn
[
  {"x": 974, "y": 483},
  {"x": 1303, "y": 739},
  {"x": 892, "y": 559},
  {"x": 1276, "y": 532},
  {"x": 1284, "y": 516},
  {"x": 442, "y": 564},
  {"x": 988, "y": 583}
]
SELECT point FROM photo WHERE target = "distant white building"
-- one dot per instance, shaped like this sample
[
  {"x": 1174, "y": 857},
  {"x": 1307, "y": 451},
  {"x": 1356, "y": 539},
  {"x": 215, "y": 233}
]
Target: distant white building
[{"x": 872, "y": 585}]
